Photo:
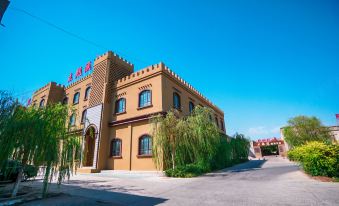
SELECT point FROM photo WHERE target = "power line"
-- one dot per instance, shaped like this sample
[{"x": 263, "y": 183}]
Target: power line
[
  {"x": 58, "y": 27},
  {"x": 68, "y": 32}
]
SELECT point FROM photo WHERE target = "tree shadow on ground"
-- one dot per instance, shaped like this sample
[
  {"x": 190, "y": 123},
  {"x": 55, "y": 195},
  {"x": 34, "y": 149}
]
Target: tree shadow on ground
[
  {"x": 75, "y": 194},
  {"x": 243, "y": 167}
]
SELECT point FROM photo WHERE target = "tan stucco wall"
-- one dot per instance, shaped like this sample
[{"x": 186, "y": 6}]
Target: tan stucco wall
[
  {"x": 170, "y": 86},
  {"x": 81, "y": 87},
  {"x": 113, "y": 79},
  {"x": 129, "y": 134},
  {"x": 131, "y": 94},
  {"x": 51, "y": 93}
]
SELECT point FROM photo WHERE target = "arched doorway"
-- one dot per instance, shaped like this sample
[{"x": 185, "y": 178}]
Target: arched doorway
[{"x": 89, "y": 147}]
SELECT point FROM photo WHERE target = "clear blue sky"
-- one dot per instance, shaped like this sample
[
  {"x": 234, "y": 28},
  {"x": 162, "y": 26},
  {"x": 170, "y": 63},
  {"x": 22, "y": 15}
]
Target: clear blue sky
[{"x": 262, "y": 62}]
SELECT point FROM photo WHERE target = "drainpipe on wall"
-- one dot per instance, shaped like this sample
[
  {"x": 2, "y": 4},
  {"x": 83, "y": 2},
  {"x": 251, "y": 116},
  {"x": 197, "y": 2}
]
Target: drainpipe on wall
[{"x": 130, "y": 148}]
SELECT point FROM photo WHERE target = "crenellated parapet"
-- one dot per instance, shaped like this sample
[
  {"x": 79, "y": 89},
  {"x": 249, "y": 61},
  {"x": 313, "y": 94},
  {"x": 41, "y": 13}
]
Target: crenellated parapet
[
  {"x": 157, "y": 69},
  {"x": 115, "y": 57},
  {"x": 141, "y": 74},
  {"x": 48, "y": 86},
  {"x": 175, "y": 76},
  {"x": 78, "y": 81}
]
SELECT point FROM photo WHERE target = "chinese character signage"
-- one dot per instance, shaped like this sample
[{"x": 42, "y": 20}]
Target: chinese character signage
[{"x": 79, "y": 73}]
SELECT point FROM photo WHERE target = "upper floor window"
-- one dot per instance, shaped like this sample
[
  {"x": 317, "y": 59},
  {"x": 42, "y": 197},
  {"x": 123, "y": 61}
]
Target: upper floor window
[
  {"x": 65, "y": 100},
  {"x": 42, "y": 103},
  {"x": 145, "y": 145},
  {"x": 116, "y": 148},
  {"x": 76, "y": 98},
  {"x": 83, "y": 117},
  {"x": 222, "y": 125},
  {"x": 176, "y": 101},
  {"x": 87, "y": 92},
  {"x": 216, "y": 121},
  {"x": 72, "y": 119},
  {"x": 145, "y": 98},
  {"x": 120, "y": 105},
  {"x": 190, "y": 106}
]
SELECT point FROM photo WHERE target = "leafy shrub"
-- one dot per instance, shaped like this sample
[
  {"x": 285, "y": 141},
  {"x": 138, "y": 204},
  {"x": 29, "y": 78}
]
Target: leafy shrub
[
  {"x": 30, "y": 171},
  {"x": 317, "y": 159},
  {"x": 11, "y": 169},
  {"x": 189, "y": 170}
]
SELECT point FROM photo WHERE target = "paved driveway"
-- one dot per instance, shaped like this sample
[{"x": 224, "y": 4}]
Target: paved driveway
[{"x": 273, "y": 182}]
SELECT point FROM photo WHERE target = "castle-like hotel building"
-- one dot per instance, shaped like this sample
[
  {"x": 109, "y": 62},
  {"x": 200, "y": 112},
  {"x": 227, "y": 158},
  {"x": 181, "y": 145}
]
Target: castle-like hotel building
[{"x": 113, "y": 105}]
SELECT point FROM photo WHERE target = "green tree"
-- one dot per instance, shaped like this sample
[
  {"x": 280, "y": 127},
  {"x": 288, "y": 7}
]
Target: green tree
[
  {"x": 241, "y": 146},
  {"x": 180, "y": 141},
  {"x": 202, "y": 136},
  {"x": 7, "y": 108},
  {"x": 303, "y": 129},
  {"x": 40, "y": 137},
  {"x": 165, "y": 135}
]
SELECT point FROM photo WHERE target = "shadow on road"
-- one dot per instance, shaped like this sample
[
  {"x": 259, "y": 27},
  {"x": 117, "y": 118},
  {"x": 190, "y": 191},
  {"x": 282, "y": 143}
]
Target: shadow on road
[
  {"x": 243, "y": 167},
  {"x": 75, "y": 194}
]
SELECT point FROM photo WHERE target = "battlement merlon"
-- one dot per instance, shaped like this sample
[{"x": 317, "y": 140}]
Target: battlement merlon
[
  {"x": 162, "y": 68},
  {"x": 115, "y": 58},
  {"x": 48, "y": 86}
]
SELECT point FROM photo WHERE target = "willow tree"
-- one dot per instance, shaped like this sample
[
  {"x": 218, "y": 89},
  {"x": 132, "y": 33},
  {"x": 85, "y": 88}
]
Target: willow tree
[
  {"x": 165, "y": 136},
  {"x": 40, "y": 137},
  {"x": 180, "y": 141},
  {"x": 241, "y": 147},
  {"x": 200, "y": 135},
  {"x": 7, "y": 108}
]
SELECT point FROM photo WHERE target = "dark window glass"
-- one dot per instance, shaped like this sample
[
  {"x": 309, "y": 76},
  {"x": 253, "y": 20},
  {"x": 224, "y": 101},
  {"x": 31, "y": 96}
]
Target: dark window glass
[
  {"x": 176, "y": 101},
  {"x": 72, "y": 120},
  {"x": 87, "y": 92},
  {"x": 120, "y": 105},
  {"x": 76, "y": 98},
  {"x": 191, "y": 106},
  {"x": 145, "y": 145},
  {"x": 216, "y": 121},
  {"x": 42, "y": 103},
  {"x": 116, "y": 147},
  {"x": 83, "y": 117},
  {"x": 65, "y": 100},
  {"x": 222, "y": 124},
  {"x": 145, "y": 98}
]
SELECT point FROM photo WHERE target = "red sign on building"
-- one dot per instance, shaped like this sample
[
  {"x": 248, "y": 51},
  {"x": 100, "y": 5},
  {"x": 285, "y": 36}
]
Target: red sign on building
[
  {"x": 29, "y": 101},
  {"x": 79, "y": 72},
  {"x": 70, "y": 78},
  {"x": 88, "y": 66}
]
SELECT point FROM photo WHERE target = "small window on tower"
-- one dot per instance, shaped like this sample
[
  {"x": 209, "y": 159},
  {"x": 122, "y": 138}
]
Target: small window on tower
[
  {"x": 42, "y": 103},
  {"x": 76, "y": 98},
  {"x": 72, "y": 120},
  {"x": 176, "y": 101},
  {"x": 191, "y": 106},
  {"x": 87, "y": 92}
]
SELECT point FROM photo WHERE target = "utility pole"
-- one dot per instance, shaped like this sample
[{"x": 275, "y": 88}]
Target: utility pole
[{"x": 3, "y": 6}]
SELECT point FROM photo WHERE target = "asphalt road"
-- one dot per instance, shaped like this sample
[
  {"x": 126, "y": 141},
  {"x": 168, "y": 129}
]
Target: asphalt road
[{"x": 273, "y": 182}]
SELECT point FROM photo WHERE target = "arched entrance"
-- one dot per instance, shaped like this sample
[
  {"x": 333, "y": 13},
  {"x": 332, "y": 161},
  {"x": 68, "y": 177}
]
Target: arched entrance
[{"x": 89, "y": 147}]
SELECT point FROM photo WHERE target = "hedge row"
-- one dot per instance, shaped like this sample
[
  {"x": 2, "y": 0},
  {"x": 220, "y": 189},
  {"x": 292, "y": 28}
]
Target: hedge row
[{"x": 317, "y": 159}]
